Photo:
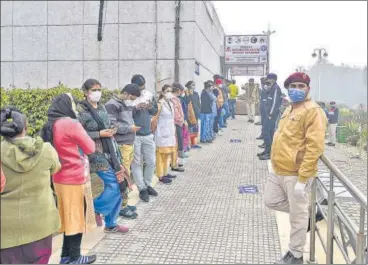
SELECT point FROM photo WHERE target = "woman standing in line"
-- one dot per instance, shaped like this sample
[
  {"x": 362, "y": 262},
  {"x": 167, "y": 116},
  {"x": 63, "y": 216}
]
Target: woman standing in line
[
  {"x": 29, "y": 216},
  {"x": 72, "y": 184},
  {"x": 164, "y": 126},
  {"x": 106, "y": 160}
]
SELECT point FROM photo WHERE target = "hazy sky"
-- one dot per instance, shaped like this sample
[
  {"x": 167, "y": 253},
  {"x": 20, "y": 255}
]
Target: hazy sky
[{"x": 340, "y": 27}]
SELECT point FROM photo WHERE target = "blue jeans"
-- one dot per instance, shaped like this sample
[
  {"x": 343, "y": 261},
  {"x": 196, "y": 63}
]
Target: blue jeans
[
  {"x": 268, "y": 130},
  {"x": 232, "y": 107},
  {"x": 227, "y": 111},
  {"x": 206, "y": 127},
  {"x": 108, "y": 203}
]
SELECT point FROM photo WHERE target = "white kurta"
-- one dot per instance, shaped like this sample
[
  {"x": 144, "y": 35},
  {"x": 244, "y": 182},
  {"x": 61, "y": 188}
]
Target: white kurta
[{"x": 165, "y": 132}]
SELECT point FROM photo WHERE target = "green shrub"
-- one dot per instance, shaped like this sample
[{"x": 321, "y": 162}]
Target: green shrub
[{"x": 34, "y": 103}]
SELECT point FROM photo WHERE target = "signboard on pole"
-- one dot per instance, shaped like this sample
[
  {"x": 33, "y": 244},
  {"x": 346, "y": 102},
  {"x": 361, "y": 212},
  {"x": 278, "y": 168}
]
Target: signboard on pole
[{"x": 247, "y": 50}]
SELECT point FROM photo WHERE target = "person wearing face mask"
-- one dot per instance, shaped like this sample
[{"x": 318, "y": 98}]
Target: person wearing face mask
[
  {"x": 185, "y": 133},
  {"x": 106, "y": 161},
  {"x": 120, "y": 111},
  {"x": 298, "y": 144},
  {"x": 179, "y": 122},
  {"x": 207, "y": 113},
  {"x": 163, "y": 124},
  {"x": 251, "y": 98},
  {"x": 145, "y": 107},
  {"x": 271, "y": 112},
  {"x": 261, "y": 105},
  {"x": 333, "y": 120},
  {"x": 194, "y": 109}
]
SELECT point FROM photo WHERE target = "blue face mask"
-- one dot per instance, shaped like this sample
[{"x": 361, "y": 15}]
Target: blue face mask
[{"x": 296, "y": 95}]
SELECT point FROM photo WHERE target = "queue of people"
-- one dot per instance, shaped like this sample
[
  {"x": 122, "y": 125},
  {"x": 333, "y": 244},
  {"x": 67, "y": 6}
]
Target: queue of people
[{"x": 127, "y": 140}]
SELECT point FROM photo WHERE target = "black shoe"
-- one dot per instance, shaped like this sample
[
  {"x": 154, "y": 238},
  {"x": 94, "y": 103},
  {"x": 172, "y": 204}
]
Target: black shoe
[
  {"x": 258, "y": 123},
  {"x": 261, "y": 153},
  {"x": 260, "y": 138},
  {"x": 319, "y": 217},
  {"x": 171, "y": 176},
  {"x": 251, "y": 121},
  {"x": 181, "y": 165},
  {"x": 151, "y": 191},
  {"x": 127, "y": 213},
  {"x": 262, "y": 146},
  {"x": 178, "y": 169},
  {"x": 265, "y": 157},
  {"x": 209, "y": 141},
  {"x": 143, "y": 195},
  {"x": 289, "y": 259}
]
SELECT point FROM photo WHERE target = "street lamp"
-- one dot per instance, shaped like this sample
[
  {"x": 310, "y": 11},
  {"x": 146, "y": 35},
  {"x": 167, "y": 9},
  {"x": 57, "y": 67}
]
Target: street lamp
[
  {"x": 301, "y": 69},
  {"x": 268, "y": 33},
  {"x": 321, "y": 53}
]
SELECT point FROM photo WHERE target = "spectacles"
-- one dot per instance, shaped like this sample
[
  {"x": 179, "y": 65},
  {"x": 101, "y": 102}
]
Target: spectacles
[{"x": 298, "y": 86}]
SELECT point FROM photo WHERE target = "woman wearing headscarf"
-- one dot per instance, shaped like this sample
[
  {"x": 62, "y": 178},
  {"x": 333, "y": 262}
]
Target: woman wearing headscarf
[
  {"x": 164, "y": 126},
  {"x": 194, "y": 109},
  {"x": 72, "y": 184},
  {"x": 29, "y": 216},
  {"x": 106, "y": 160}
]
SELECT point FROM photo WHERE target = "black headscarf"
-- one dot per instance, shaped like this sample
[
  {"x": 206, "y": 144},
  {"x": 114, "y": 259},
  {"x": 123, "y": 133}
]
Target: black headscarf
[{"x": 61, "y": 107}]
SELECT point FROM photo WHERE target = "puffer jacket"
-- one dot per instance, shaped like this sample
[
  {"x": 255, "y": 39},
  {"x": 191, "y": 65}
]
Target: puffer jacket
[{"x": 299, "y": 141}]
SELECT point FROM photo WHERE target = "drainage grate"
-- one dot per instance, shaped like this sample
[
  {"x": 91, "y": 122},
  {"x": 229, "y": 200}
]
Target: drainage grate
[{"x": 248, "y": 189}]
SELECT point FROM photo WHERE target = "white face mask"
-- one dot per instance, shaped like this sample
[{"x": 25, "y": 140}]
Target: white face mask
[
  {"x": 169, "y": 95},
  {"x": 95, "y": 96},
  {"x": 128, "y": 102}
]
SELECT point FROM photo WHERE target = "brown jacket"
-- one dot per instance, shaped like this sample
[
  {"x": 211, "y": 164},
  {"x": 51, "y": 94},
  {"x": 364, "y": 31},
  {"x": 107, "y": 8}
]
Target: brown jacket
[{"x": 299, "y": 141}]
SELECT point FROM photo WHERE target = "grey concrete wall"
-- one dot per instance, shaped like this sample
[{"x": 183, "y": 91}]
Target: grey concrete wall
[{"x": 47, "y": 42}]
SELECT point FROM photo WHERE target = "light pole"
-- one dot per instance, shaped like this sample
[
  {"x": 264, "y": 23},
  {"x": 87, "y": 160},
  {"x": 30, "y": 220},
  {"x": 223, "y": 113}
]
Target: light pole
[
  {"x": 318, "y": 52},
  {"x": 268, "y": 33}
]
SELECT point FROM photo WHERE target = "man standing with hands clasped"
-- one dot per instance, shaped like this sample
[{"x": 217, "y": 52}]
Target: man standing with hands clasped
[{"x": 297, "y": 145}]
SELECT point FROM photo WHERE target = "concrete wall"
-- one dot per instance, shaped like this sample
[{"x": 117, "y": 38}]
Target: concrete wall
[{"x": 47, "y": 42}]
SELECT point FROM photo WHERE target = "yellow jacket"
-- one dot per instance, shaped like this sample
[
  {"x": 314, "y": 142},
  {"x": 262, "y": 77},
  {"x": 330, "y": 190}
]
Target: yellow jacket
[
  {"x": 299, "y": 141},
  {"x": 234, "y": 91}
]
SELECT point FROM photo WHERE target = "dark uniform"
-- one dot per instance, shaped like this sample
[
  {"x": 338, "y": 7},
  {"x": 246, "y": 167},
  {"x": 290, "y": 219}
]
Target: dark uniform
[{"x": 271, "y": 109}]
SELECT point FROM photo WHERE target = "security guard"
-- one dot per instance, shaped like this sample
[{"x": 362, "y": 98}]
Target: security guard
[
  {"x": 262, "y": 96},
  {"x": 271, "y": 110}
]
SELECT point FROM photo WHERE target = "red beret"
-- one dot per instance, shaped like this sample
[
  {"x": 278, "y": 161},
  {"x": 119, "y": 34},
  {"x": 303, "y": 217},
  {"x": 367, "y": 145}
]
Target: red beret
[
  {"x": 297, "y": 77},
  {"x": 218, "y": 81}
]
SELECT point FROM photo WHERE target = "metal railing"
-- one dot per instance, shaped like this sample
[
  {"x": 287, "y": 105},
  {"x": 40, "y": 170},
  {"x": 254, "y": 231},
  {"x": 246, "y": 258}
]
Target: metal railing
[{"x": 351, "y": 236}]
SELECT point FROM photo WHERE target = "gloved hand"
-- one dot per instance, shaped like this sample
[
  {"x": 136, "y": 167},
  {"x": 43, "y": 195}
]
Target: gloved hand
[{"x": 299, "y": 190}]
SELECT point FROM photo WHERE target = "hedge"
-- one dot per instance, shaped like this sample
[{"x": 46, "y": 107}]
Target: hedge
[{"x": 34, "y": 103}]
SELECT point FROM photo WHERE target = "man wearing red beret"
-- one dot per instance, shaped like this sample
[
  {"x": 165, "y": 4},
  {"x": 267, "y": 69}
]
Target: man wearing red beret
[{"x": 297, "y": 145}]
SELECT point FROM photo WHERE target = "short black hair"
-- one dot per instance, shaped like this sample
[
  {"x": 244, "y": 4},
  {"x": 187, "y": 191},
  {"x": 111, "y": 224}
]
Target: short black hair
[
  {"x": 178, "y": 85},
  {"x": 138, "y": 80},
  {"x": 131, "y": 89},
  {"x": 233, "y": 81},
  {"x": 164, "y": 87}
]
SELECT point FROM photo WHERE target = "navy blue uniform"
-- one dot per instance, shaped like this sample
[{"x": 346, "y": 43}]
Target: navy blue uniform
[{"x": 271, "y": 107}]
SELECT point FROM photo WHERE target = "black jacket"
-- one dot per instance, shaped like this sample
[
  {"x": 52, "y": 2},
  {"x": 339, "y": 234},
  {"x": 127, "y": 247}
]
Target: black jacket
[
  {"x": 273, "y": 102},
  {"x": 206, "y": 102}
]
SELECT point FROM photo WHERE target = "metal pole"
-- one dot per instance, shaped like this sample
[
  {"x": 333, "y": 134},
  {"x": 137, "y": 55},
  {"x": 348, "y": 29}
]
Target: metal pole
[
  {"x": 312, "y": 253},
  {"x": 268, "y": 53},
  {"x": 330, "y": 222},
  {"x": 361, "y": 239},
  {"x": 177, "y": 39}
]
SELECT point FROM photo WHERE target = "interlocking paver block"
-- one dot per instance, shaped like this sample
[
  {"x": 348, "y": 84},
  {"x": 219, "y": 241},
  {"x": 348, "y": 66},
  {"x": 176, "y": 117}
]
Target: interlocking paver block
[{"x": 201, "y": 218}]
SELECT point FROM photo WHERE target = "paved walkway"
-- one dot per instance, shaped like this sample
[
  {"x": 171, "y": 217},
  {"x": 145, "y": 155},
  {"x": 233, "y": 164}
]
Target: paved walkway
[{"x": 201, "y": 218}]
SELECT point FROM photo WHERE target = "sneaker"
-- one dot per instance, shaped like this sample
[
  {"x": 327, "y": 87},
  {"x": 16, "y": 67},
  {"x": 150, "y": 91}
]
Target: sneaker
[
  {"x": 64, "y": 260},
  {"x": 98, "y": 219},
  {"x": 127, "y": 213},
  {"x": 165, "y": 180},
  {"x": 117, "y": 229},
  {"x": 209, "y": 141},
  {"x": 132, "y": 207},
  {"x": 181, "y": 165},
  {"x": 143, "y": 195},
  {"x": 262, "y": 146},
  {"x": 152, "y": 192},
  {"x": 266, "y": 156},
  {"x": 171, "y": 176},
  {"x": 290, "y": 259},
  {"x": 178, "y": 169},
  {"x": 261, "y": 153},
  {"x": 84, "y": 260}
]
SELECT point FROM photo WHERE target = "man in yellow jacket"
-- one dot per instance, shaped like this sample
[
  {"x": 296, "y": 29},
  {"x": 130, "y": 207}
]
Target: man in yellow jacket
[
  {"x": 297, "y": 145},
  {"x": 234, "y": 92}
]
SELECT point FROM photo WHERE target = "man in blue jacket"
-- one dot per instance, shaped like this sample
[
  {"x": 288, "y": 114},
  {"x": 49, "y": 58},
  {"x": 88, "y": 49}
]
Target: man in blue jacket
[
  {"x": 271, "y": 110},
  {"x": 333, "y": 120}
]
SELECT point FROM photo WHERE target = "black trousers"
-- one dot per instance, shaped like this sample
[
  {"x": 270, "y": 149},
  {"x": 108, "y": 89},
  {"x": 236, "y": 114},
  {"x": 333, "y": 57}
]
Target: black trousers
[
  {"x": 217, "y": 121},
  {"x": 72, "y": 246},
  {"x": 179, "y": 135}
]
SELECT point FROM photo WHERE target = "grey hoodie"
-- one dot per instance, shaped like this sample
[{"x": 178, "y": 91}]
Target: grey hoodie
[{"x": 122, "y": 116}]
